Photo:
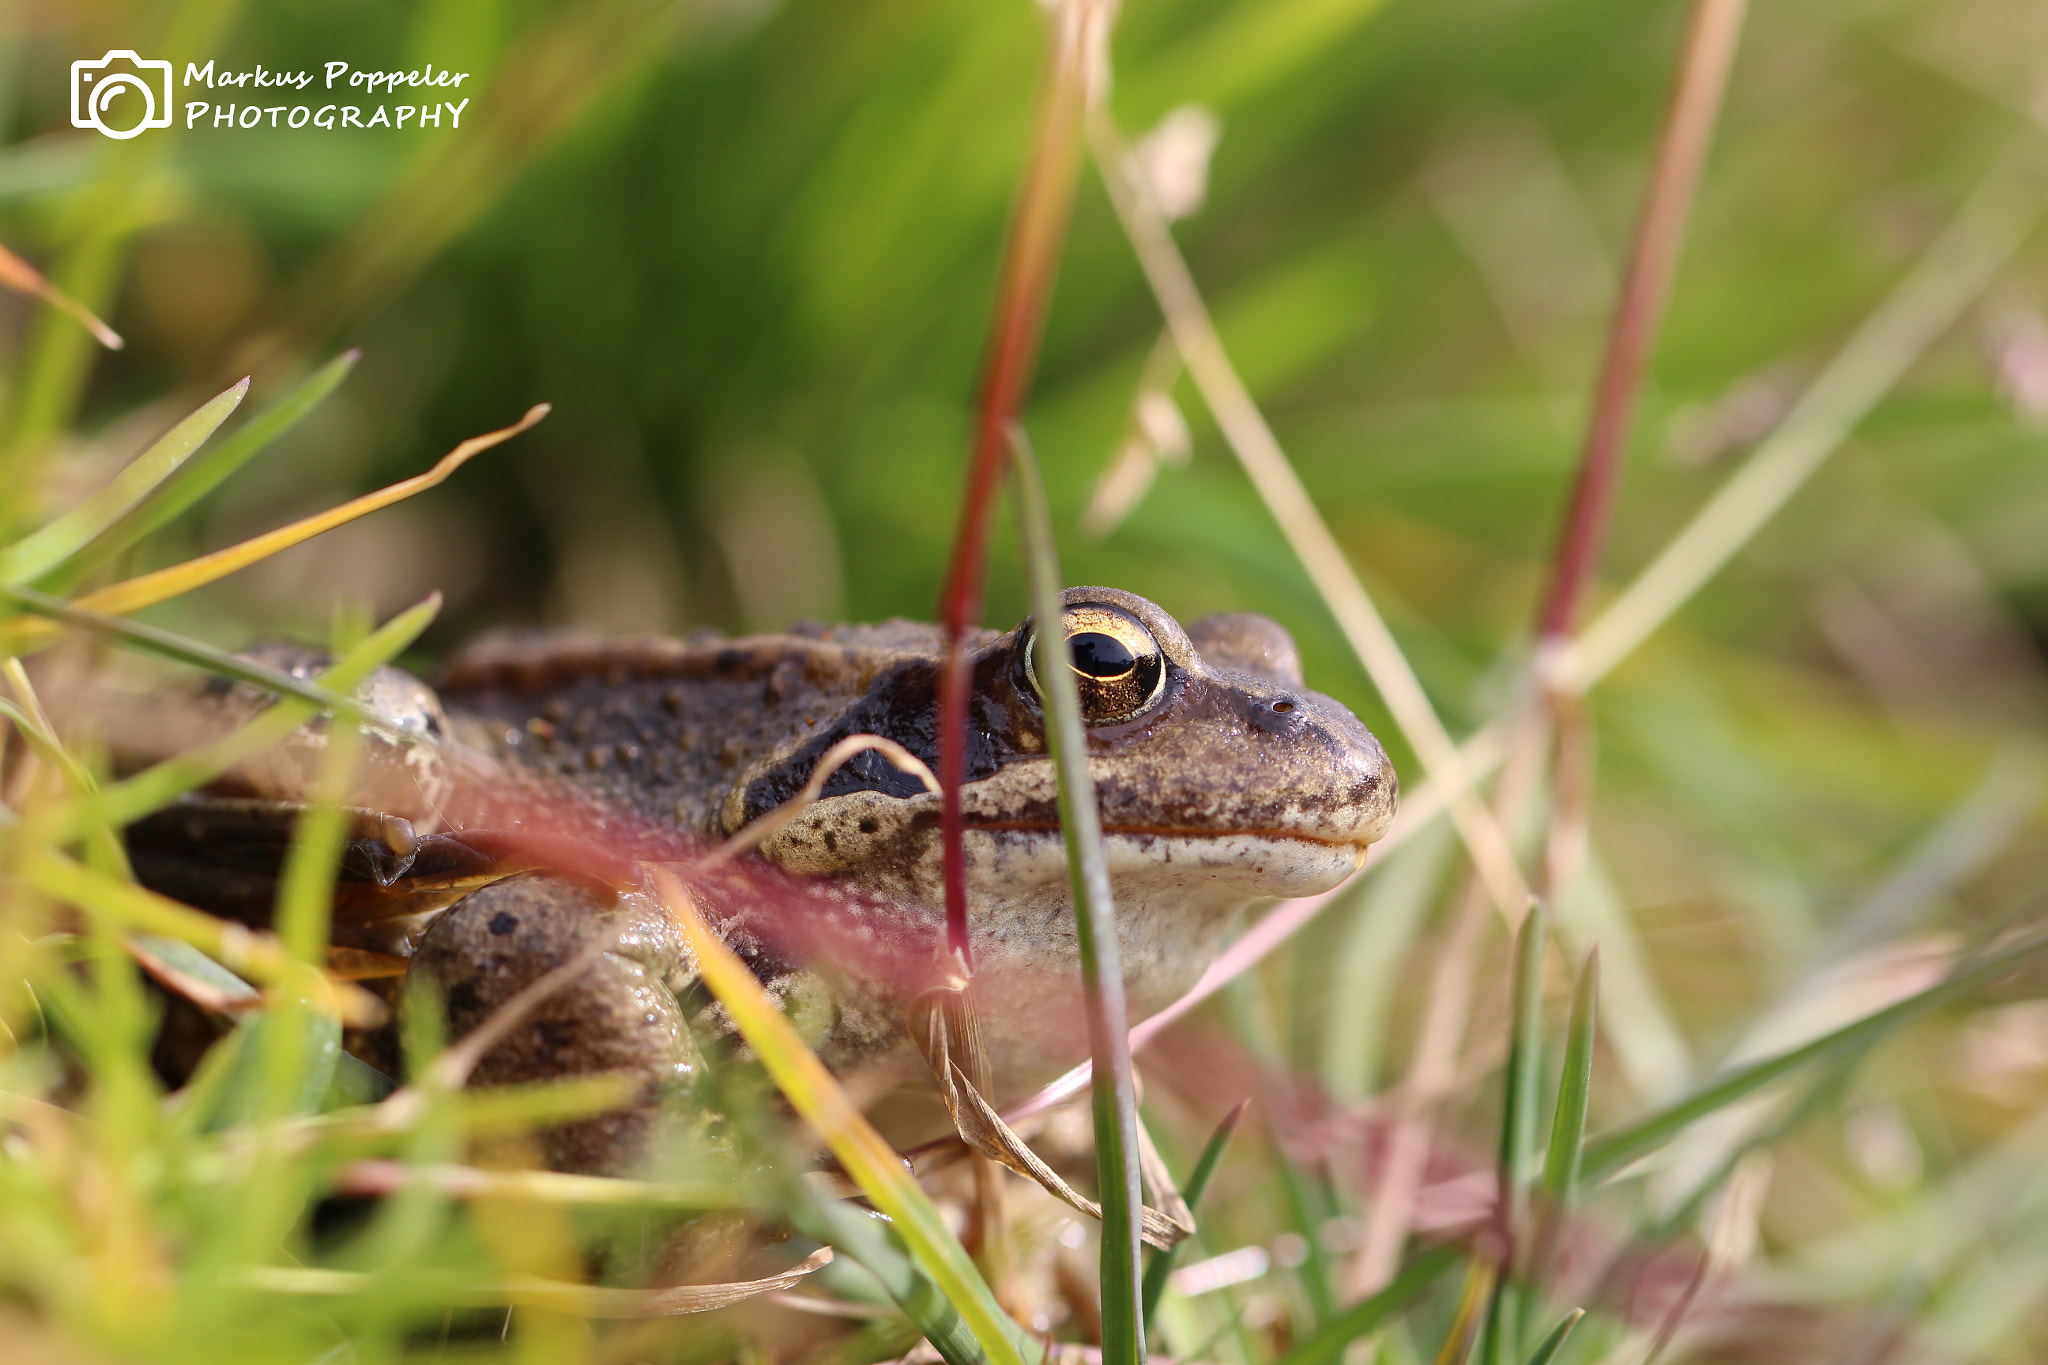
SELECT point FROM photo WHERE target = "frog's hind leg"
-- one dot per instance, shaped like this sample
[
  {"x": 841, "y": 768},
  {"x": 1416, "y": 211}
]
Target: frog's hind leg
[{"x": 617, "y": 1014}]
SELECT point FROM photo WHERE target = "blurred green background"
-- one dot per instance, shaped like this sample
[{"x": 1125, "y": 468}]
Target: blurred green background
[{"x": 747, "y": 250}]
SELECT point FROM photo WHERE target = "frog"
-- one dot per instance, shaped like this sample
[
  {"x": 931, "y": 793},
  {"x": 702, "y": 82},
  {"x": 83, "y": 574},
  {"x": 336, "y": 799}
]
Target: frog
[{"x": 558, "y": 767}]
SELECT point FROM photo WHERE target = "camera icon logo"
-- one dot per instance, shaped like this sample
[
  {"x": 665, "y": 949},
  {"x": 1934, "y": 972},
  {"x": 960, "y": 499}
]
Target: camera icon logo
[{"x": 96, "y": 85}]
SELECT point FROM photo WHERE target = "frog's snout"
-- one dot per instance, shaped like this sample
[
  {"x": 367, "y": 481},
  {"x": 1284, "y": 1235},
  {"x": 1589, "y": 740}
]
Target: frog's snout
[
  {"x": 1349, "y": 796},
  {"x": 1312, "y": 769},
  {"x": 1283, "y": 780}
]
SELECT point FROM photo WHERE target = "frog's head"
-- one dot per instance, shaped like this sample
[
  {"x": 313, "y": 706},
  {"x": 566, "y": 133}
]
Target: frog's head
[{"x": 1220, "y": 780}]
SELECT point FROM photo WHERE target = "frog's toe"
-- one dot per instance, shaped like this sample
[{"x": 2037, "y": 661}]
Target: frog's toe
[{"x": 618, "y": 1013}]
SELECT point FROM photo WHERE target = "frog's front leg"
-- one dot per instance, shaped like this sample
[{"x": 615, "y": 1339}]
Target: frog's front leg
[{"x": 617, "y": 1014}]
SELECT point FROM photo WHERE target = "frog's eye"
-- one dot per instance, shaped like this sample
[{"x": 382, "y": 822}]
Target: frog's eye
[{"x": 1118, "y": 667}]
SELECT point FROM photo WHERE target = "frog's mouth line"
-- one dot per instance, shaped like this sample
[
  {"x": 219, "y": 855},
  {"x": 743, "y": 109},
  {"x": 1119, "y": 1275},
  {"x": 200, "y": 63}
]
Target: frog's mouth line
[{"x": 1173, "y": 832}]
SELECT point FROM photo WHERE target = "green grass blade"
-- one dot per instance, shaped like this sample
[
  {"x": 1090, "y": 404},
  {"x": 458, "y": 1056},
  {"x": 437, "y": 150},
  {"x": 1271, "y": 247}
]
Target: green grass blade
[
  {"x": 744, "y": 1102},
  {"x": 125, "y": 802},
  {"x": 1198, "y": 1181},
  {"x": 1517, "y": 1130},
  {"x": 1562, "y": 1162},
  {"x": 104, "y": 848},
  {"x": 1307, "y": 1204},
  {"x": 1553, "y": 1343},
  {"x": 1574, "y": 1090},
  {"x": 187, "y": 961},
  {"x": 853, "y": 1232},
  {"x": 190, "y": 1110},
  {"x": 1329, "y": 1345},
  {"x": 285, "y": 1064},
  {"x": 357, "y": 1082},
  {"x": 185, "y": 486},
  {"x": 37, "y": 554},
  {"x": 184, "y": 649},
  {"x": 874, "y": 1165},
  {"x": 305, "y": 886},
  {"x": 120, "y": 904},
  {"x": 1525, "y": 1059},
  {"x": 1817, "y": 1095},
  {"x": 1115, "y": 1098},
  {"x": 1614, "y": 1150}
]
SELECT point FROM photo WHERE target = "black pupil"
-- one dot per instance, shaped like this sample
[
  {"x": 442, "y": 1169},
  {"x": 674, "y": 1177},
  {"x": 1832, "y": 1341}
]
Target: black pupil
[{"x": 1101, "y": 656}]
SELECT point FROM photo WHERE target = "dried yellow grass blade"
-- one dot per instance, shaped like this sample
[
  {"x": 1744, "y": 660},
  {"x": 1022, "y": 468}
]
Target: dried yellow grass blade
[
  {"x": 1465, "y": 1322},
  {"x": 816, "y": 1095},
  {"x": 151, "y": 588},
  {"x": 534, "y": 1291},
  {"x": 380, "y": 1176},
  {"x": 1258, "y": 451},
  {"x": 17, "y": 274}
]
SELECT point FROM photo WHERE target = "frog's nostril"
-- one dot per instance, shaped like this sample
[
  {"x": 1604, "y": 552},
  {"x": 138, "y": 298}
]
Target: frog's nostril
[{"x": 1277, "y": 716}]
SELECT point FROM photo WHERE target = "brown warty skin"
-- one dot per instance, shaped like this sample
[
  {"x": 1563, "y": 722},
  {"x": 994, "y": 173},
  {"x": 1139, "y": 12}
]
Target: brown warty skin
[{"x": 1221, "y": 781}]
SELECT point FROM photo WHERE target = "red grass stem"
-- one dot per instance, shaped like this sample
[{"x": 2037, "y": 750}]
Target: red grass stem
[
  {"x": 1688, "y": 128},
  {"x": 1038, "y": 226}
]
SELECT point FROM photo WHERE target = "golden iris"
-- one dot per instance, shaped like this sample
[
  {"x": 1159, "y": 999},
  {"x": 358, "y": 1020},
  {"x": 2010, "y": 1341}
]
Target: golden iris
[{"x": 1119, "y": 670}]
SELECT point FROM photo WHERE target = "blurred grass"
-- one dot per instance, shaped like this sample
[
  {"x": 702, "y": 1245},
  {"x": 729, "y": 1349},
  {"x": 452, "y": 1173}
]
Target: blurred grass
[{"x": 748, "y": 252}]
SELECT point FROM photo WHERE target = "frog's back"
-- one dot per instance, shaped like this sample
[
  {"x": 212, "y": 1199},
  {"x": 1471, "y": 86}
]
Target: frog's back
[{"x": 662, "y": 729}]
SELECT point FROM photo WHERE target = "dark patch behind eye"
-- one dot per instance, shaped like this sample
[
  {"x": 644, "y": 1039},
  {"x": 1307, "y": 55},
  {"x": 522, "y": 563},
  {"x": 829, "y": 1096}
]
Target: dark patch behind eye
[{"x": 899, "y": 705}]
